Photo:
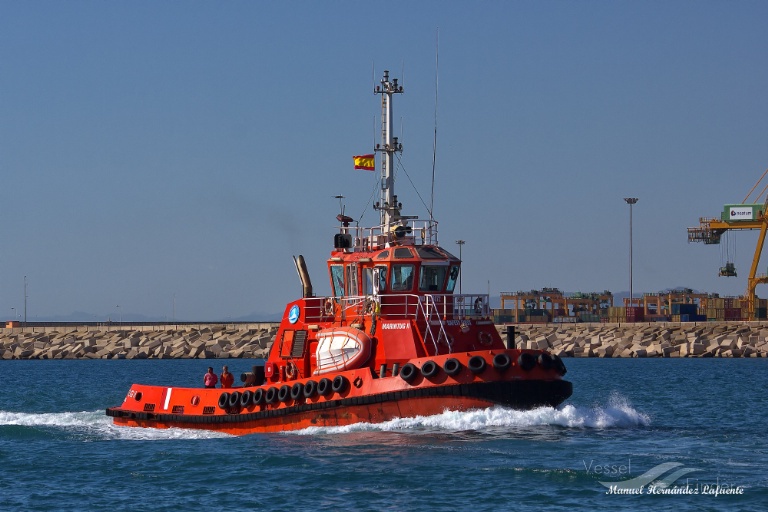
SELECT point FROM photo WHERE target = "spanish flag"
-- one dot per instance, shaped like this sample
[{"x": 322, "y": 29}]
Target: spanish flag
[{"x": 365, "y": 162}]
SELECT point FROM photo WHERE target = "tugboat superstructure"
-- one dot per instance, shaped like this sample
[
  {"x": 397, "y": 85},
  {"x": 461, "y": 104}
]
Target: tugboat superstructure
[{"x": 392, "y": 340}]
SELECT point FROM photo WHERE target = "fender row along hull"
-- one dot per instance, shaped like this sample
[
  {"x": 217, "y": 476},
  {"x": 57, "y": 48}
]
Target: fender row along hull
[{"x": 393, "y": 340}]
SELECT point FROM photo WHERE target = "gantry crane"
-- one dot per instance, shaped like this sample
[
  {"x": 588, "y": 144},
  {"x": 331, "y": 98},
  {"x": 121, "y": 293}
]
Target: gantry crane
[{"x": 747, "y": 215}]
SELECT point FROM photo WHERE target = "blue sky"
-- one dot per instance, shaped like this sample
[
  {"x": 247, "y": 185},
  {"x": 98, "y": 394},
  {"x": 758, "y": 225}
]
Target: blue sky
[{"x": 160, "y": 150}]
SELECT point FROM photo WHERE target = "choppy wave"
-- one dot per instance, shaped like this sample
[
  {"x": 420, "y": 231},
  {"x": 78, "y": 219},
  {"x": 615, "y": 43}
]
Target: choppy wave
[
  {"x": 617, "y": 413},
  {"x": 96, "y": 425}
]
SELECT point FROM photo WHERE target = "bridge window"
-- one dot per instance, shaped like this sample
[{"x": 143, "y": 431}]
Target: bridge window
[
  {"x": 432, "y": 277},
  {"x": 402, "y": 277},
  {"x": 337, "y": 278},
  {"x": 453, "y": 276}
]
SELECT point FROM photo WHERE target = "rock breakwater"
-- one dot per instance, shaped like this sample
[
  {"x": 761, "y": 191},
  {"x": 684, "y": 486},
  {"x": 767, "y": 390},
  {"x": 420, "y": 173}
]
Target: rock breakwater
[
  {"x": 222, "y": 341},
  {"x": 156, "y": 342},
  {"x": 708, "y": 339}
]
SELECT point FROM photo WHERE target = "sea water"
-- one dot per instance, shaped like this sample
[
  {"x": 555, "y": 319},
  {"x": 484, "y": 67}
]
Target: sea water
[{"x": 637, "y": 434}]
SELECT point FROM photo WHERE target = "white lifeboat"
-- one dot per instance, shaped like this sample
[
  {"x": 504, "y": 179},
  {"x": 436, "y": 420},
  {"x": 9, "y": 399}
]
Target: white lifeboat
[{"x": 341, "y": 348}]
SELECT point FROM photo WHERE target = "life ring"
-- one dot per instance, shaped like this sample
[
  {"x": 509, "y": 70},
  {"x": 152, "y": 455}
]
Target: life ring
[
  {"x": 408, "y": 372},
  {"x": 223, "y": 400},
  {"x": 484, "y": 338},
  {"x": 245, "y": 398},
  {"x": 297, "y": 391},
  {"x": 452, "y": 366},
  {"x": 502, "y": 362},
  {"x": 340, "y": 384},
  {"x": 328, "y": 306},
  {"x": 429, "y": 369},
  {"x": 234, "y": 399},
  {"x": 291, "y": 370},
  {"x": 284, "y": 393},
  {"x": 324, "y": 387},
  {"x": 476, "y": 364},
  {"x": 310, "y": 388}
]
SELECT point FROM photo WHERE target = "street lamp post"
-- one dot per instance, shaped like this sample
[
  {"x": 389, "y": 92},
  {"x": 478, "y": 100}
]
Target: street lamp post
[
  {"x": 460, "y": 243},
  {"x": 630, "y": 201}
]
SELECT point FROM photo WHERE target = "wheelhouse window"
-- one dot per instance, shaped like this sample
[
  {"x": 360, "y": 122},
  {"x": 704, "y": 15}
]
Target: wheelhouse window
[
  {"x": 337, "y": 279},
  {"x": 368, "y": 281},
  {"x": 432, "y": 277},
  {"x": 402, "y": 277},
  {"x": 453, "y": 276},
  {"x": 381, "y": 271},
  {"x": 352, "y": 284}
]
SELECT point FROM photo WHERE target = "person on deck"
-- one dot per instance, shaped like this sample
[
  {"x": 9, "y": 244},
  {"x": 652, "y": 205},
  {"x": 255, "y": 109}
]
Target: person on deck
[
  {"x": 210, "y": 379},
  {"x": 227, "y": 379}
]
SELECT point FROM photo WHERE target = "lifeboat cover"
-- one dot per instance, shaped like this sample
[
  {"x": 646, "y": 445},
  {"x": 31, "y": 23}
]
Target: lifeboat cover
[{"x": 341, "y": 348}]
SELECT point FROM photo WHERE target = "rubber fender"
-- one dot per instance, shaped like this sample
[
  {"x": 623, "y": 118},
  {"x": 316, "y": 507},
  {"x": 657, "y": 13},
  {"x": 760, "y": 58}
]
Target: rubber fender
[
  {"x": 429, "y": 369},
  {"x": 452, "y": 366},
  {"x": 223, "y": 400},
  {"x": 340, "y": 384},
  {"x": 526, "y": 361},
  {"x": 310, "y": 389},
  {"x": 271, "y": 395},
  {"x": 476, "y": 364},
  {"x": 546, "y": 361},
  {"x": 258, "y": 396},
  {"x": 408, "y": 372},
  {"x": 234, "y": 399},
  {"x": 297, "y": 391},
  {"x": 245, "y": 398},
  {"x": 284, "y": 394},
  {"x": 502, "y": 362},
  {"x": 324, "y": 387}
]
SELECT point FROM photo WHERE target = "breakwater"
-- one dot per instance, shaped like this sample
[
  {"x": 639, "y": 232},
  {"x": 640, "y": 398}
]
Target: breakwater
[
  {"x": 204, "y": 341},
  {"x": 222, "y": 341},
  {"x": 706, "y": 339}
]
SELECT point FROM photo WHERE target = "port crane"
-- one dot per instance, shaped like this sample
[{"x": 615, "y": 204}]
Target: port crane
[{"x": 749, "y": 214}]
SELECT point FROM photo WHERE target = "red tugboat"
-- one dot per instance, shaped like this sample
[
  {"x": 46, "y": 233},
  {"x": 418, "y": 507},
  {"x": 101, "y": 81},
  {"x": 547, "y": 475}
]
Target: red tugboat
[{"x": 393, "y": 340}]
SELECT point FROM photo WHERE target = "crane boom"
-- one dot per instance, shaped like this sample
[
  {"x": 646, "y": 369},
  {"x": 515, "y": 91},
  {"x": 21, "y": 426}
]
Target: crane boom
[{"x": 739, "y": 217}]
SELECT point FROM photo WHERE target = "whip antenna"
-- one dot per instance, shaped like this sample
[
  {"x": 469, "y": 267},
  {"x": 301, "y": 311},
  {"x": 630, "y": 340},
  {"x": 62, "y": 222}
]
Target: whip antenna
[{"x": 434, "y": 141}]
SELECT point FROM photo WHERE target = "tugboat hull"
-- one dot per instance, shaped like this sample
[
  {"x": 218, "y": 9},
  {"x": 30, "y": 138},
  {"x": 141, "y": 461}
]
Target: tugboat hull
[{"x": 355, "y": 396}]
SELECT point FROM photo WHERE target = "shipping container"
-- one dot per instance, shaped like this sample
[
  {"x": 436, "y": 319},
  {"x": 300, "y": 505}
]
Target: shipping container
[{"x": 635, "y": 314}]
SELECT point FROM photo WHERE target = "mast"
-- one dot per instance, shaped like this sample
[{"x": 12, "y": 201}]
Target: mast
[{"x": 388, "y": 206}]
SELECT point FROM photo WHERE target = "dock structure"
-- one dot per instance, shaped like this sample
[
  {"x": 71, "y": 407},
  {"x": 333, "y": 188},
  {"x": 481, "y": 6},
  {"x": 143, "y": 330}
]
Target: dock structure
[{"x": 552, "y": 305}]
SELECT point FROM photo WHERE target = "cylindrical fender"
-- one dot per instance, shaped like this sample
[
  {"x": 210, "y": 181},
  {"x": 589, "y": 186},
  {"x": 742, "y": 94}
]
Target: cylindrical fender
[
  {"x": 234, "y": 399},
  {"x": 310, "y": 389},
  {"x": 340, "y": 384},
  {"x": 526, "y": 361},
  {"x": 452, "y": 366},
  {"x": 476, "y": 364},
  {"x": 408, "y": 372},
  {"x": 284, "y": 393},
  {"x": 429, "y": 369},
  {"x": 324, "y": 387},
  {"x": 502, "y": 362},
  {"x": 297, "y": 391}
]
